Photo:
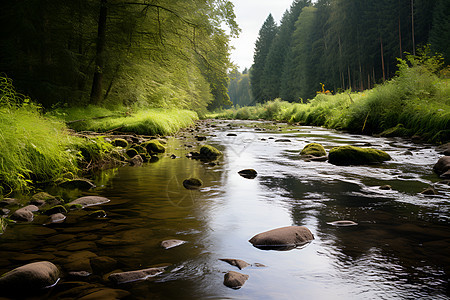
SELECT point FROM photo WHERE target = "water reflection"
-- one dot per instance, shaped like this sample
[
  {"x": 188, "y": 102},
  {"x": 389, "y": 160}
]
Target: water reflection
[{"x": 398, "y": 250}]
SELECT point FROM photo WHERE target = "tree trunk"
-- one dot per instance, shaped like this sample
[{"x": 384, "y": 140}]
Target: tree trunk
[
  {"x": 96, "y": 92},
  {"x": 382, "y": 59}
]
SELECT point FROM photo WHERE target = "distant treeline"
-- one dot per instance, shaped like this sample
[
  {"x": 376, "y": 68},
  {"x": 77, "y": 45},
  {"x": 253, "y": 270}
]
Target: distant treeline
[
  {"x": 342, "y": 44},
  {"x": 156, "y": 53}
]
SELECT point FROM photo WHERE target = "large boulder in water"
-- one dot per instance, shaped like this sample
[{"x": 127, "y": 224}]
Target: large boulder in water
[
  {"x": 442, "y": 167},
  {"x": 350, "y": 155},
  {"x": 284, "y": 238},
  {"x": 29, "y": 278},
  {"x": 314, "y": 149}
]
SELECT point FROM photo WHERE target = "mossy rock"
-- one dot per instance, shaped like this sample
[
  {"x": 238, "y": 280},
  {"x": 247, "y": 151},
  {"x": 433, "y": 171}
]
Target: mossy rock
[
  {"x": 209, "y": 152},
  {"x": 120, "y": 143},
  {"x": 398, "y": 130},
  {"x": 154, "y": 146},
  {"x": 56, "y": 209},
  {"x": 314, "y": 149},
  {"x": 350, "y": 155},
  {"x": 132, "y": 152},
  {"x": 139, "y": 149}
]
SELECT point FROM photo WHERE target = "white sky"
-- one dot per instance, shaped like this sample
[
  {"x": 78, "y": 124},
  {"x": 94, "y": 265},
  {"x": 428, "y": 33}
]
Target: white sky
[{"x": 250, "y": 15}]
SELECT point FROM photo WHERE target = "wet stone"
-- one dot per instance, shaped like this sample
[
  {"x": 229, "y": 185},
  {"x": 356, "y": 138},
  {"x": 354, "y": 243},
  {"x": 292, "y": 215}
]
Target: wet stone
[
  {"x": 90, "y": 201},
  {"x": 57, "y": 218},
  {"x": 234, "y": 280},
  {"x": 167, "y": 244},
  {"x": 236, "y": 262},
  {"x": 103, "y": 264},
  {"x": 284, "y": 238},
  {"x": 248, "y": 173},
  {"x": 342, "y": 223},
  {"x": 131, "y": 276},
  {"x": 23, "y": 214}
]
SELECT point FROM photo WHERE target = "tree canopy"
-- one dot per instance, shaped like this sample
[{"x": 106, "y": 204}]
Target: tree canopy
[{"x": 158, "y": 53}]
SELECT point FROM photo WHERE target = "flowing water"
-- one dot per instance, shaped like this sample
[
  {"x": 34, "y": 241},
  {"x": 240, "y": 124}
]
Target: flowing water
[{"x": 399, "y": 250}]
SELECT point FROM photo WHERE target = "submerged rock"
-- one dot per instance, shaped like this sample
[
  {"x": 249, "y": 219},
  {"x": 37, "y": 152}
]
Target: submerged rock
[
  {"x": 29, "y": 278},
  {"x": 192, "y": 183},
  {"x": 342, "y": 223},
  {"x": 442, "y": 167},
  {"x": 314, "y": 149},
  {"x": 248, "y": 173},
  {"x": 167, "y": 244},
  {"x": 234, "y": 280},
  {"x": 350, "y": 155},
  {"x": 284, "y": 238},
  {"x": 209, "y": 152},
  {"x": 81, "y": 184},
  {"x": 236, "y": 262},
  {"x": 283, "y": 141},
  {"x": 103, "y": 264},
  {"x": 90, "y": 201},
  {"x": 125, "y": 277},
  {"x": 429, "y": 191},
  {"x": 385, "y": 187}
]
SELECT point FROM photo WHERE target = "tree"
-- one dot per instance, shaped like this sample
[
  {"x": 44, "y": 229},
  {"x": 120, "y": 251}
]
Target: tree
[
  {"x": 262, "y": 47},
  {"x": 440, "y": 32}
]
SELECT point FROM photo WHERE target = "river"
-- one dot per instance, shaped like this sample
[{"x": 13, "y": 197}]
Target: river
[{"x": 399, "y": 249}]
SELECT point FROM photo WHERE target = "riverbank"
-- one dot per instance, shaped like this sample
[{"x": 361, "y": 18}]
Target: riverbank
[
  {"x": 416, "y": 103},
  {"x": 38, "y": 149}
]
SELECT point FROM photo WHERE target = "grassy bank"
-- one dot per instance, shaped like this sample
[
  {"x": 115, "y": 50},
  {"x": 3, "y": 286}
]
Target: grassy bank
[
  {"x": 32, "y": 148},
  {"x": 415, "y": 102},
  {"x": 37, "y": 149},
  {"x": 148, "y": 121}
]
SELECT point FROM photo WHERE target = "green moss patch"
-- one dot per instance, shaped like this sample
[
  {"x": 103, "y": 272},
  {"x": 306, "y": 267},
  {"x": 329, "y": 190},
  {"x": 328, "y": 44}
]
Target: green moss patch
[
  {"x": 314, "y": 149},
  {"x": 350, "y": 155}
]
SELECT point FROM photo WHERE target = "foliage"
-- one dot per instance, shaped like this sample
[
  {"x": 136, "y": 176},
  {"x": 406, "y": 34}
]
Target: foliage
[
  {"x": 33, "y": 149},
  {"x": 239, "y": 88},
  {"x": 345, "y": 44},
  {"x": 417, "y": 98},
  {"x": 172, "y": 54}
]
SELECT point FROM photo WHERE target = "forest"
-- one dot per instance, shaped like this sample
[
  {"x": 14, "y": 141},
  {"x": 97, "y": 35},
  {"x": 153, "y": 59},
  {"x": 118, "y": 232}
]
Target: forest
[
  {"x": 342, "y": 44},
  {"x": 117, "y": 52}
]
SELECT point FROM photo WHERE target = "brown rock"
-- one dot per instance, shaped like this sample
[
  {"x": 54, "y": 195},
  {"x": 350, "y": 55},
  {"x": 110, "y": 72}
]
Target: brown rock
[
  {"x": 284, "y": 238},
  {"x": 234, "y": 280},
  {"x": 236, "y": 262},
  {"x": 442, "y": 167},
  {"x": 125, "y": 277}
]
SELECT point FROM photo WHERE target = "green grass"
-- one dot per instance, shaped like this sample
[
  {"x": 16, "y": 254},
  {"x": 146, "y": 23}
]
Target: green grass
[
  {"x": 146, "y": 121},
  {"x": 33, "y": 149},
  {"x": 417, "y": 98}
]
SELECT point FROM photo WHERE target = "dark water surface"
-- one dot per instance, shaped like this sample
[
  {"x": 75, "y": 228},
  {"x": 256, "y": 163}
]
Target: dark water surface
[{"x": 399, "y": 250}]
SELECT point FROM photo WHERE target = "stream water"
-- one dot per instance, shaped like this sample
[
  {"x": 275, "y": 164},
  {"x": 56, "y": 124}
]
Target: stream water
[{"x": 399, "y": 250}]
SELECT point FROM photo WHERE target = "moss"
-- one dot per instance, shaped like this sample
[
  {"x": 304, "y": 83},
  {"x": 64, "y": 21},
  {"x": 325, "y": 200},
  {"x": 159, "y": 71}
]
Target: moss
[
  {"x": 132, "y": 153},
  {"x": 209, "y": 152},
  {"x": 154, "y": 146},
  {"x": 120, "y": 143},
  {"x": 398, "y": 130},
  {"x": 350, "y": 155},
  {"x": 314, "y": 149}
]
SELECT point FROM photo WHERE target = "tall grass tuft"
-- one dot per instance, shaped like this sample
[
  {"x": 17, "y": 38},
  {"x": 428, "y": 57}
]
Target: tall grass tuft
[{"x": 33, "y": 149}]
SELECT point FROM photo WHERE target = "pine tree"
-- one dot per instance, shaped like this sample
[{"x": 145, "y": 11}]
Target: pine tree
[
  {"x": 262, "y": 47},
  {"x": 440, "y": 33}
]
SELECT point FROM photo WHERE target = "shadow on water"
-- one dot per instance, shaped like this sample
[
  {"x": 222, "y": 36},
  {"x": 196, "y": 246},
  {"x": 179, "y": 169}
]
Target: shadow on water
[{"x": 399, "y": 249}]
